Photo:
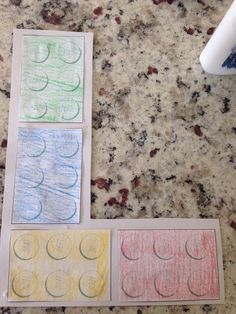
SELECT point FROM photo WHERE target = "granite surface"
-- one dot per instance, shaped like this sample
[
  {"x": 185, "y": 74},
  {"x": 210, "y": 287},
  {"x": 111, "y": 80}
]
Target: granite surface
[{"x": 164, "y": 132}]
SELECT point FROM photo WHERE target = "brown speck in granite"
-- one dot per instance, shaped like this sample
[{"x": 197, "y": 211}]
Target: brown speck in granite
[
  {"x": 233, "y": 224},
  {"x": 112, "y": 201},
  {"x": 53, "y": 13},
  {"x": 135, "y": 182},
  {"x": 98, "y": 11},
  {"x": 197, "y": 130},
  {"x": 153, "y": 152},
  {"x": 102, "y": 183},
  {"x": 4, "y": 143},
  {"x": 102, "y": 92},
  {"x": 1, "y": 58},
  {"x": 118, "y": 20},
  {"x": 124, "y": 196},
  {"x": 152, "y": 70},
  {"x": 234, "y": 129},
  {"x": 189, "y": 30},
  {"x": 210, "y": 30}
]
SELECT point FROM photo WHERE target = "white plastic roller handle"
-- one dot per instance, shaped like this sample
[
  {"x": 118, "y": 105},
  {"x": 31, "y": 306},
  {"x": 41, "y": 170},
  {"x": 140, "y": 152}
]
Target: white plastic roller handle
[{"x": 219, "y": 55}]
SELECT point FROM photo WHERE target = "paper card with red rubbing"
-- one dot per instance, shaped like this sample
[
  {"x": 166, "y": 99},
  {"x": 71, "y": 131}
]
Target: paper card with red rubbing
[{"x": 173, "y": 265}]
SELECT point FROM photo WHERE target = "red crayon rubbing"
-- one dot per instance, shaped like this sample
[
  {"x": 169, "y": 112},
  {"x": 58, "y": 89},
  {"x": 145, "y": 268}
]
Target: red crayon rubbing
[{"x": 160, "y": 265}]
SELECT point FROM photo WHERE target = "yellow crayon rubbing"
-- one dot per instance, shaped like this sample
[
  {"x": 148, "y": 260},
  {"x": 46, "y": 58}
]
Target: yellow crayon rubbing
[{"x": 59, "y": 265}]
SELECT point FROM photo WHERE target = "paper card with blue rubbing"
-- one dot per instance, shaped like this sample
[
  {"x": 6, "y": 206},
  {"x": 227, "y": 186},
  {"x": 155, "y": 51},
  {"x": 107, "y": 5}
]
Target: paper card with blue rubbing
[
  {"x": 48, "y": 175},
  {"x": 52, "y": 79}
]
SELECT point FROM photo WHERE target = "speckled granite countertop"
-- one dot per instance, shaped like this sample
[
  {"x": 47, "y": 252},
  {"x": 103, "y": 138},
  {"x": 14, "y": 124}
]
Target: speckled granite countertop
[{"x": 164, "y": 132}]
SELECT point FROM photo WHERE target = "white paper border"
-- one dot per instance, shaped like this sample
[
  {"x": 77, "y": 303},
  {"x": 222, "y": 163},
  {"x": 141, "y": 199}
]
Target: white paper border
[{"x": 85, "y": 220}]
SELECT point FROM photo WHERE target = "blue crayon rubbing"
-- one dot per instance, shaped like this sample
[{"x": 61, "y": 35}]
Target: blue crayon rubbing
[
  {"x": 48, "y": 176},
  {"x": 52, "y": 79},
  {"x": 230, "y": 62}
]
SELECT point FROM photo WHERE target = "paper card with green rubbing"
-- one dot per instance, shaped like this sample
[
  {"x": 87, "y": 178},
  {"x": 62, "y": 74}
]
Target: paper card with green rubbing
[{"x": 52, "y": 79}]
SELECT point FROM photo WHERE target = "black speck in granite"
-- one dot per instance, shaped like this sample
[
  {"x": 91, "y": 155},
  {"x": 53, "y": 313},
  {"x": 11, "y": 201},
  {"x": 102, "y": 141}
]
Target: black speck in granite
[
  {"x": 203, "y": 197},
  {"x": 185, "y": 308},
  {"x": 207, "y": 88},
  {"x": 93, "y": 197},
  {"x": 139, "y": 138},
  {"x": 16, "y": 2},
  {"x": 53, "y": 12},
  {"x": 194, "y": 97},
  {"x": 226, "y": 105},
  {"x": 180, "y": 83},
  {"x": 5, "y": 92},
  {"x": 172, "y": 177}
]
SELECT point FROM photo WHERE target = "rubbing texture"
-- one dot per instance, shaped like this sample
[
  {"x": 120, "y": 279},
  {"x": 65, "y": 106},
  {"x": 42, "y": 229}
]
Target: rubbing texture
[
  {"x": 149, "y": 159},
  {"x": 48, "y": 176},
  {"x": 52, "y": 79},
  {"x": 72, "y": 258},
  {"x": 161, "y": 265}
]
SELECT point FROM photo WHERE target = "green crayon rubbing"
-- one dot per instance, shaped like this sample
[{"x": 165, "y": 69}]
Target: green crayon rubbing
[{"x": 52, "y": 79}]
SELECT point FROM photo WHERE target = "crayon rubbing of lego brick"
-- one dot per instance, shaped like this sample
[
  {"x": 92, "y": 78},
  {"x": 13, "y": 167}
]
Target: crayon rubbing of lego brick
[
  {"x": 168, "y": 265},
  {"x": 59, "y": 265},
  {"x": 52, "y": 79},
  {"x": 48, "y": 175}
]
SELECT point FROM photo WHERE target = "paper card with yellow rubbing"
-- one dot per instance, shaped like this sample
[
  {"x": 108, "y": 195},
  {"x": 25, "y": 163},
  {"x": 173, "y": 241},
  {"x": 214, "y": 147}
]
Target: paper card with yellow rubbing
[{"x": 59, "y": 265}]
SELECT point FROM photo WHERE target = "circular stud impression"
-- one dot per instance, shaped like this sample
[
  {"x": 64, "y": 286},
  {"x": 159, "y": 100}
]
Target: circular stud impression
[
  {"x": 69, "y": 52},
  {"x": 132, "y": 248},
  {"x": 57, "y": 284},
  {"x": 90, "y": 284},
  {"x": 65, "y": 176},
  {"x": 38, "y": 52},
  {"x": 92, "y": 246},
  {"x": 37, "y": 81},
  {"x": 199, "y": 283},
  {"x": 59, "y": 246},
  {"x": 67, "y": 146},
  {"x": 34, "y": 145},
  {"x": 63, "y": 208},
  {"x": 196, "y": 246},
  {"x": 69, "y": 109},
  {"x": 31, "y": 177},
  {"x": 164, "y": 247},
  {"x": 30, "y": 208},
  {"x": 133, "y": 284},
  {"x": 24, "y": 284},
  {"x": 35, "y": 109},
  {"x": 165, "y": 283},
  {"x": 68, "y": 80},
  {"x": 26, "y": 247}
]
